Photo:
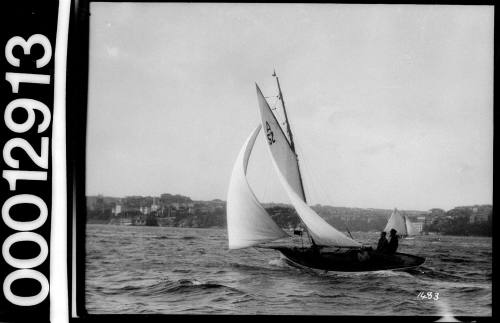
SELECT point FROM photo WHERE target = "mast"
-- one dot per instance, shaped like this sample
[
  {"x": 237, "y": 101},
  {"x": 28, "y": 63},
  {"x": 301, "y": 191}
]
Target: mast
[
  {"x": 289, "y": 130},
  {"x": 292, "y": 144}
]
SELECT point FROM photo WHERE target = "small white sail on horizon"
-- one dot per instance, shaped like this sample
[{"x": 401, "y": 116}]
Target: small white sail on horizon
[
  {"x": 248, "y": 223},
  {"x": 286, "y": 165},
  {"x": 401, "y": 224},
  {"x": 410, "y": 229},
  {"x": 396, "y": 222}
]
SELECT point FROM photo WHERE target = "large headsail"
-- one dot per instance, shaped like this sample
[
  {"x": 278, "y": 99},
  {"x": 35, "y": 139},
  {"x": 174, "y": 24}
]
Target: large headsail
[
  {"x": 410, "y": 229},
  {"x": 279, "y": 146},
  {"x": 248, "y": 223},
  {"x": 322, "y": 232},
  {"x": 397, "y": 222},
  {"x": 286, "y": 164}
]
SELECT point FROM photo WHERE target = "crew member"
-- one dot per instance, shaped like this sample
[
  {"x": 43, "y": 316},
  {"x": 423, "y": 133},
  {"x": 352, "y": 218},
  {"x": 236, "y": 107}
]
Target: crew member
[
  {"x": 382, "y": 242},
  {"x": 393, "y": 242}
]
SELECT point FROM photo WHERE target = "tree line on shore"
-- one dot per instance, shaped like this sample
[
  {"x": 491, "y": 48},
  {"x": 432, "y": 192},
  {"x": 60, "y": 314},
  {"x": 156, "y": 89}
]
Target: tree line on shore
[{"x": 457, "y": 221}]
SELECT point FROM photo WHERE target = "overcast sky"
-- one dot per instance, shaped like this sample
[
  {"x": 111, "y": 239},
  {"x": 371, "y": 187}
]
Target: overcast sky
[{"x": 390, "y": 105}]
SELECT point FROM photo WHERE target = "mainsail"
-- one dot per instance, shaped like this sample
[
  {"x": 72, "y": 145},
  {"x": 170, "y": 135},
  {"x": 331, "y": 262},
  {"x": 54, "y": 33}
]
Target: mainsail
[
  {"x": 396, "y": 222},
  {"x": 286, "y": 164},
  {"x": 248, "y": 223},
  {"x": 280, "y": 147}
]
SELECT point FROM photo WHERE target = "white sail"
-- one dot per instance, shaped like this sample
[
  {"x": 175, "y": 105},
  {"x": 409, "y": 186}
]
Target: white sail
[
  {"x": 396, "y": 222},
  {"x": 286, "y": 164},
  {"x": 410, "y": 229},
  {"x": 280, "y": 147},
  {"x": 248, "y": 223},
  {"x": 322, "y": 232}
]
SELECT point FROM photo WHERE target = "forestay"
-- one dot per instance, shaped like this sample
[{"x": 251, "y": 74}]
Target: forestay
[
  {"x": 396, "y": 222},
  {"x": 248, "y": 223}
]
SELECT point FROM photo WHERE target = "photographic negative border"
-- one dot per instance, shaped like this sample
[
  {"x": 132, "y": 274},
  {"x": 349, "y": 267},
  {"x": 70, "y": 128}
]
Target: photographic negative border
[
  {"x": 77, "y": 89},
  {"x": 34, "y": 38}
]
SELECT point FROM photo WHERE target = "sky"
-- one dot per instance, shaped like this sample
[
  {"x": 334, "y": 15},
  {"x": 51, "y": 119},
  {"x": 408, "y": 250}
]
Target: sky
[{"x": 390, "y": 105}]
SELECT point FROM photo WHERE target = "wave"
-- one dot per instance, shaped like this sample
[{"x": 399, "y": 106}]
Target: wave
[
  {"x": 184, "y": 286},
  {"x": 189, "y": 238},
  {"x": 164, "y": 272},
  {"x": 433, "y": 274},
  {"x": 455, "y": 260},
  {"x": 163, "y": 238},
  {"x": 243, "y": 299},
  {"x": 464, "y": 287},
  {"x": 280, "y": 263},
  {"x": 249, "y": 267},
  {"x": 182, "y": 271},
  {"x": 370, "y": 274}
]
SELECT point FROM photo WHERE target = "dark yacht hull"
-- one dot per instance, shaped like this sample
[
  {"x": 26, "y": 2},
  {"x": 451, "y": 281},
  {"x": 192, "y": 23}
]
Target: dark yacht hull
[{"x": 350, "y": 260}]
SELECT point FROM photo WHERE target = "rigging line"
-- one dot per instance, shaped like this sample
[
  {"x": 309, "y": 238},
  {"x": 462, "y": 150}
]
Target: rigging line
[
  {"x": 324, "y": 193},
  {"x": 275, "y": 102},
  {"x": 305, "y": 168},
  {"x": 313, "y": 177},
  {"x": 305, "y": 163},
  {"x": 290, "y": 141},
  {"x": 315, "y": 181},
  {"x": 347, "y": 228},
  {"x": 303, "y": 225}
]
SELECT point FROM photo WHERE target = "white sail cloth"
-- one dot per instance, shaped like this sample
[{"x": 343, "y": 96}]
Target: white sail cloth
[
  {"x": 322, "y": 232},
  {"x": 286, "y": 164},
  {"x": 248, "y": 223},
  {"x": 396, "y": 222},
  {"x": 410, "y": 229},
  {"x": 279, "y": 146}
]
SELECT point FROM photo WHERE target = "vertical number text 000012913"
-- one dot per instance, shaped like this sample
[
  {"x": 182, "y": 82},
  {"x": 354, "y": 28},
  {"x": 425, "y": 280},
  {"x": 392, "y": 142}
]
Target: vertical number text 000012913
[{"x": 27, "y": 121}]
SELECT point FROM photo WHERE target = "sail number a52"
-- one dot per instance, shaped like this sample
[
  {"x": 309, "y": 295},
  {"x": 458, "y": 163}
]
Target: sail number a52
[{"x": 269, "y": 134}]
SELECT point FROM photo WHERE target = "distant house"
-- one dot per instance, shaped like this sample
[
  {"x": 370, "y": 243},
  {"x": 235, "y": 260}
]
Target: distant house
[
  {"x": 418, "y": 226},
  {"x": 478, "y": 217},
  {"x": 154, "y": 207},
  {"x": 117, "y": 209}
]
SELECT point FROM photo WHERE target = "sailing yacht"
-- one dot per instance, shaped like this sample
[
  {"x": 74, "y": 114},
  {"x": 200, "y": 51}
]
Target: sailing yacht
[
  {"x": 250, "y": 225},
  {"x": 401, "y": 224}
]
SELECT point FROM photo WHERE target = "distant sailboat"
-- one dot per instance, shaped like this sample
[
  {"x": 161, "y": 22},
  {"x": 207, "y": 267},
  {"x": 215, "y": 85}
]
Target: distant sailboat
[
  {"x": 249, "y": 224},
  {"x": 401, "y": 224}
]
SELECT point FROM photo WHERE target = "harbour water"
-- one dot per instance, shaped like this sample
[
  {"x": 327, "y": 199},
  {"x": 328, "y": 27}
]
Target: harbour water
[{"x": 165, "y": 270}]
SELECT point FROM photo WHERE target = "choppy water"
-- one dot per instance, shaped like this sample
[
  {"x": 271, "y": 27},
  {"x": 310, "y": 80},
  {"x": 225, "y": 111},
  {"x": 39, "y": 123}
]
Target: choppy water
[{"x": 187, "y": 270}]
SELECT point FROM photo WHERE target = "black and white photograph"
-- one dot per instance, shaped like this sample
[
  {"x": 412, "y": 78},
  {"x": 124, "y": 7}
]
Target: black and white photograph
[{"x": 289, "y": 159}]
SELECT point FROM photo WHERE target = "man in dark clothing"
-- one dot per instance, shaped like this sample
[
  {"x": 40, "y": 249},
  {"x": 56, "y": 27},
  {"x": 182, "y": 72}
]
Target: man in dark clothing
[
  {"x": 382, "y": 242},
  {"x": 393, "y": 243}
]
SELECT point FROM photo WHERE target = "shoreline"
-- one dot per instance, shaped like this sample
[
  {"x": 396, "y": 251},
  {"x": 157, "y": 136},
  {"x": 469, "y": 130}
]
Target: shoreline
[{"x": 432, "y": 234}]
